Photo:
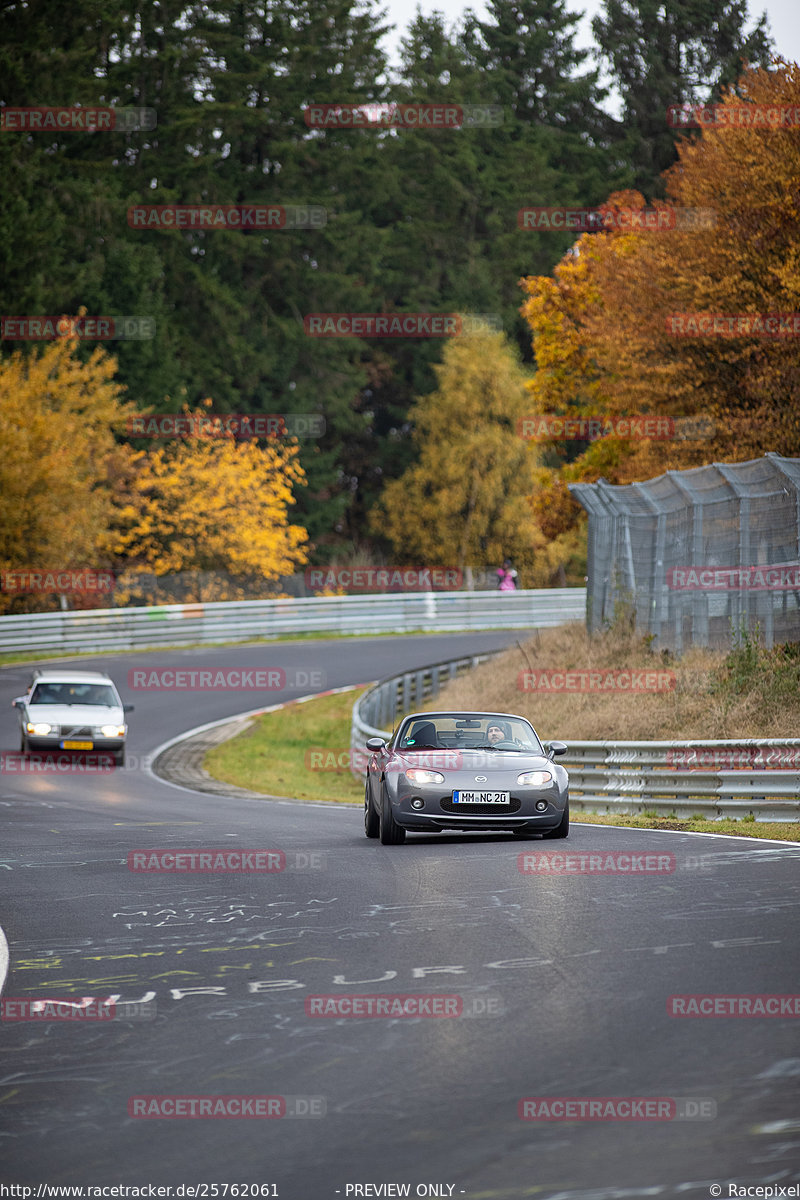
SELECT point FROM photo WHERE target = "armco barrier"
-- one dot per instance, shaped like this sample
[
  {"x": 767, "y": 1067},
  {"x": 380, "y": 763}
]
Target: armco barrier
[
  {"x": 687, "y": 777},
  {"x": 384, "y": 702},
  {"x": 189, "y": 624},
  {"x": 678, "y": 778}
]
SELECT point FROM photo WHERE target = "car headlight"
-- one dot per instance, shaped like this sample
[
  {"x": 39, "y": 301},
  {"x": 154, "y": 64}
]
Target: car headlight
[
  {"x": 112, "y": 730},
  {"x": 418, "y": 775},
  {"x": 40, "y": 728},
  {"x": 535, "y": 778}
]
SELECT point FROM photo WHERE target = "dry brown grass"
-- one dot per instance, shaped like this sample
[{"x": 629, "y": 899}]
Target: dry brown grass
[{"x": 713, "y": 696}]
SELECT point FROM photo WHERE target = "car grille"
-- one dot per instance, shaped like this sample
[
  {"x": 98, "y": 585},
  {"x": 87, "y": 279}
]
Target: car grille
[
  {"x": 77, "y": 731},
  {"x": 447, "y": 805}
]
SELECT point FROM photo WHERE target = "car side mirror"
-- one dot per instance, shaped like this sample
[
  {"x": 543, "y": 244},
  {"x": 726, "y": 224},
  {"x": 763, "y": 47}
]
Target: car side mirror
[
  {"x": 19, "y": 702},
  {"x": 556, "y": 749},
  {"x": 375, "y": 744},
  {"x": 128, "y": 707}
]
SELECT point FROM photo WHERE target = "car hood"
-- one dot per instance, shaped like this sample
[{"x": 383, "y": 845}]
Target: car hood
[
  {"x": 77, "y": 714},
  {"x": 473, "y": 762}
]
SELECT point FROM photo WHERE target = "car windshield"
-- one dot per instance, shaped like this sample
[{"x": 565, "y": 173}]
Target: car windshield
[
  {"x": 74, "y": 693},
  {"x": 479, "y": 731}
]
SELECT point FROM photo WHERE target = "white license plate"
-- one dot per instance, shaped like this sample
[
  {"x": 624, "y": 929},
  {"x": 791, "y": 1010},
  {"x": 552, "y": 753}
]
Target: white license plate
[{"x": 481, "y": 797}]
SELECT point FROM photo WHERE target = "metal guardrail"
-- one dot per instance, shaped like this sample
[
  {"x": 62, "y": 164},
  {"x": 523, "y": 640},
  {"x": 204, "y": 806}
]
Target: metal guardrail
[
  {"x": 680, "y": 778},
  {"x": 687, "y": 777},
  {"x": 189, "y": 624},
  {"x": 384, "y": 702}
]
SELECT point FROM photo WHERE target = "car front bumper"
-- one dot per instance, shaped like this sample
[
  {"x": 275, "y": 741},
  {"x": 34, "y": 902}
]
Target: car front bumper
[
  {"x": 438, "y": 812},
  {"x": 53, "y": 744}
]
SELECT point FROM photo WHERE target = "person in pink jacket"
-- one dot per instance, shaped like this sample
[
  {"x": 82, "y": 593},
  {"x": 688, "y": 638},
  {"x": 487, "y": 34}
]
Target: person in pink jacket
[{"x": 507, "y": 577}]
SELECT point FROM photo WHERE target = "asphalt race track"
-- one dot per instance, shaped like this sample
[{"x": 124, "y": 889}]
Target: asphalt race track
[{"x": 562, "y": 981}]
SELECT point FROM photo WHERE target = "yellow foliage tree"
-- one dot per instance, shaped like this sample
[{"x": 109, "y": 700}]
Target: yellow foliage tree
[
  {"x": 57, "y": 416},
  {"x": 464, "y": 503},
  {"x": 211, "y": 504}
]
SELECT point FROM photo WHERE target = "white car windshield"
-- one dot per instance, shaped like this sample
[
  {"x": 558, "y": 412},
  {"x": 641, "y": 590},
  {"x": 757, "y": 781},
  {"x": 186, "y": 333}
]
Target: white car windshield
[
  {"x": 478, "y": 732},
  {"x": 74, "y": 693}
]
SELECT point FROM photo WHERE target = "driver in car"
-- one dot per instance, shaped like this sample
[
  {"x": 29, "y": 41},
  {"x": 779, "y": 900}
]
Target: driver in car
[{"x": 495, "y": 733}]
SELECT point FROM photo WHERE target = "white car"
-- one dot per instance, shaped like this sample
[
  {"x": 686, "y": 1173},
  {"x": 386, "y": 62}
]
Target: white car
[{"x": 72, "y": 710}]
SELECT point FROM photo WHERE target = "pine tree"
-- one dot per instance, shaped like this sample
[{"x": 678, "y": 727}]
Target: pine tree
[{"x": 666, "y": 52}]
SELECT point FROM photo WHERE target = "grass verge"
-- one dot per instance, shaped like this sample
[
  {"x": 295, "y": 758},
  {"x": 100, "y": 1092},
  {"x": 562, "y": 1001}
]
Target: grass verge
[
  {"x": 282, "y": 752},
  {"x": 748, "y": 692},
  {"x": 274, "y": 756},
  {"x": 777, "y": 831}
]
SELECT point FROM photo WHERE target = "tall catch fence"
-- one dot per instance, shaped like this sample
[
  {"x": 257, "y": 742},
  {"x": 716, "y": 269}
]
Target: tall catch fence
[{"x": 699, "y": 555}]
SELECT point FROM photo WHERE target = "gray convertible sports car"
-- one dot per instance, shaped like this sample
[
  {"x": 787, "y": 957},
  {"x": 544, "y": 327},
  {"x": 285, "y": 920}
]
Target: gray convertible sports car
[{"x": 465, "y": 770}]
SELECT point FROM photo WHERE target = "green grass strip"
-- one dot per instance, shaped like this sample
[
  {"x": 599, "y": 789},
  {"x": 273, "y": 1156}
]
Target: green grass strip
[{"x": 282, "y": 752}]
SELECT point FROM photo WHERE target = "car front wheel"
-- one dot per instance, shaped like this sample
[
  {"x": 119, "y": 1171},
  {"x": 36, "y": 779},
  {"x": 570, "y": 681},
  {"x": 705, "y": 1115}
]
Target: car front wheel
[
  {"x": 391, "y": 834},
  {"x": 371, "y": 819},
  {"x": 562, "y": 829}
]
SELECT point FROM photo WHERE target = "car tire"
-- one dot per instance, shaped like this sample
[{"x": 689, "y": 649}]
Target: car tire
[
  {"x": 24, "y": 748},
  {"x": 371, "y": 819},
  {"x": 562, "y": 829},
  {"x": 119, "y": 758},
  {"x": 391, "y": 834}
]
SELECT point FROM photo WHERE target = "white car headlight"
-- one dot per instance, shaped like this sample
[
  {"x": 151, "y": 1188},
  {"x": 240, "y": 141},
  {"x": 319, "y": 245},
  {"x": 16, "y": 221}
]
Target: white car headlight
[
  {"x": 418, "y": 775},
  {"x": 535, "y": 778},
  {"x": 40, "y": 728},
  {"x": 112, "y": 730}
]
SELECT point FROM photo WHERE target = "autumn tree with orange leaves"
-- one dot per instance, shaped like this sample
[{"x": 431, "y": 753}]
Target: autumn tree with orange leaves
[{"x": 606, "y": 327}]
